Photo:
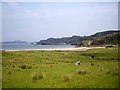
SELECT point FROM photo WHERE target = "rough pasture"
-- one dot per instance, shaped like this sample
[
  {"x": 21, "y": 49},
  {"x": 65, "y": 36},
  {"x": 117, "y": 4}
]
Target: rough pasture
[{"x": 57, "y": 69}]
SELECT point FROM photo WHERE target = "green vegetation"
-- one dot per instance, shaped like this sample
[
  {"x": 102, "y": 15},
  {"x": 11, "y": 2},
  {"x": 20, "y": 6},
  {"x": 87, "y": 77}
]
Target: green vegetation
[
  {"x": 0, "y": 69},
  {"x": 56, "y": 69},
  {"x": 97, "y": 39},
  {"x": 107, "y": 39}
]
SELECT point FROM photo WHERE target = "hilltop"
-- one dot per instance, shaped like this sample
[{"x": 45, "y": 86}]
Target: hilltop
[{"x": 99, "y": 38}]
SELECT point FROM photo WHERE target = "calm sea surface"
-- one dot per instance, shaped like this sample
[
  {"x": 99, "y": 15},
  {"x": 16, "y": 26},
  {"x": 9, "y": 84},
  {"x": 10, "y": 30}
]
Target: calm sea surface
[{"x": 20, "y": 46}]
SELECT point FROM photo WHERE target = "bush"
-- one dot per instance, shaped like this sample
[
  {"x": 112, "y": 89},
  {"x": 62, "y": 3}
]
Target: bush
[{"x": 38, "y": 76}]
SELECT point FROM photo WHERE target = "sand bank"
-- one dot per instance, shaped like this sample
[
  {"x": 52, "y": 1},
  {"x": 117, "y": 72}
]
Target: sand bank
[{"x": 61, "y": 49}]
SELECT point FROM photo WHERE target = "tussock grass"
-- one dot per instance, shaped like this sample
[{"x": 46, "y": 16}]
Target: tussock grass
[
  {"x": 81, "y": 71},
  {"x": 51, "y": 65},
  {"x": 115, "y": 73},
  {"x": 100, "y": 69},
  {"x": 108, "y": 71},
  {"x": 116, "y": 68},
  {"x": 38, "y": 76},
  {"x": 92, "y": 64},
  {"x": 9, "y": 72},
  {"x": 61, "y": 70},
  {"x": 25, "y": 66},
  {"x": 67, "y": 77}
]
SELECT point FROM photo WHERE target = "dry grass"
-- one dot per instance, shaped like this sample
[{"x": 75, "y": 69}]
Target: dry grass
[
  {"x": 108, "y": 71},
  {"x": 92, "y": 64},
  {"x": 81, "y": 71},
  {"x": 38, "y": 76},
  {"x": 100, "y": 69},
  {"x": 115, "y": 73},
  {"x": 9, "y": 72},
  {"x": 67, "y": 77},
  {"x": 25, "y": 66},
  {"x": 60, "y": 74}
]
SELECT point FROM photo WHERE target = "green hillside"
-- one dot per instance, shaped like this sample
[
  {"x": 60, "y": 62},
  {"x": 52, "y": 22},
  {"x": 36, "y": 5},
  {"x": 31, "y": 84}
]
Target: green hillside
[{"x": 100, "y": 38}]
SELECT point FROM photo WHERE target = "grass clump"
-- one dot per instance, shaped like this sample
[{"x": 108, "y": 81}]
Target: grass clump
[
  {"x": 61, "y": 73},
  {"x": 9, "y": 72},
  {"x": 25, "y": 66},
  {"x": 38, "y": 76},
  {"x": 67, "y": 77},
  {"x": 115, "y": 73},
  {"x": 100, "y": 69},
  {"x": 81, "y": 71},
  {"x": 92, "y": 64},
  {"x": 108, "y": 72}
]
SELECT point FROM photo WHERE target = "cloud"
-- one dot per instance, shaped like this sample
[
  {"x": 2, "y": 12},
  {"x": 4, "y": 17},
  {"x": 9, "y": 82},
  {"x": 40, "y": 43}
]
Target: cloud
[{"x": 47, "y": 11}]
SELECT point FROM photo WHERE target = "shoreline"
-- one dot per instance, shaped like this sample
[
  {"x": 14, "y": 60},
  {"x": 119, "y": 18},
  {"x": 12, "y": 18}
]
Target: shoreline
[{"x": 55, "y": 49}]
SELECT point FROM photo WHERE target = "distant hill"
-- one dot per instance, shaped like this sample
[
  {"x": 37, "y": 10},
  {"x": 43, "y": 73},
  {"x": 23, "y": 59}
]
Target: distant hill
[
  {"x": 15, "y": 42},
  {"x": 108, "y": 37},
  {"x": 100, "y": 38},
  {"x": 64, "y": 40}
]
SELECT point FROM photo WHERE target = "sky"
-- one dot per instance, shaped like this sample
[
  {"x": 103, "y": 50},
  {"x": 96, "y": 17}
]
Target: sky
[{"x": 35, "y": 21}]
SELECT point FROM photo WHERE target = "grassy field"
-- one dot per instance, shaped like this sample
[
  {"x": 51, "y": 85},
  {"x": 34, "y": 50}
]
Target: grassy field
[
  {"x": 0, "y": 69},
  {"x": 56, "y": 69}
]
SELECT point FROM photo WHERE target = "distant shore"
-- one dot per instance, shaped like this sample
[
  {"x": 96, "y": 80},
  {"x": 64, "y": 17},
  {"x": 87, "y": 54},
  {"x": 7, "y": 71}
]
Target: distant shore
[{"x": 61, "y": 49}]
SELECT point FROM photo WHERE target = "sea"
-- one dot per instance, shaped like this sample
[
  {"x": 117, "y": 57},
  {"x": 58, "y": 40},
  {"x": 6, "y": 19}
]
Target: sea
[{"x": 23, "y": 46}]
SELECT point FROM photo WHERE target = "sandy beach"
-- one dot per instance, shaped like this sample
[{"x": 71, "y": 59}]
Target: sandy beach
[{"x": 61, "y": 49}]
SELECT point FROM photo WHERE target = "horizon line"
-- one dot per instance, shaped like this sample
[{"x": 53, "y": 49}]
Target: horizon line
[{"x": 63, "y": 36}]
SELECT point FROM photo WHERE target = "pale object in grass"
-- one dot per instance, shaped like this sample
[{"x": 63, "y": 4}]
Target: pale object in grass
[{"x": 77, "y": 63}]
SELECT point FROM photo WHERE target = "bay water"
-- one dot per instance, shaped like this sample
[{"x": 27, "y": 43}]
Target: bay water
[{"x": 22, "y": 46}]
